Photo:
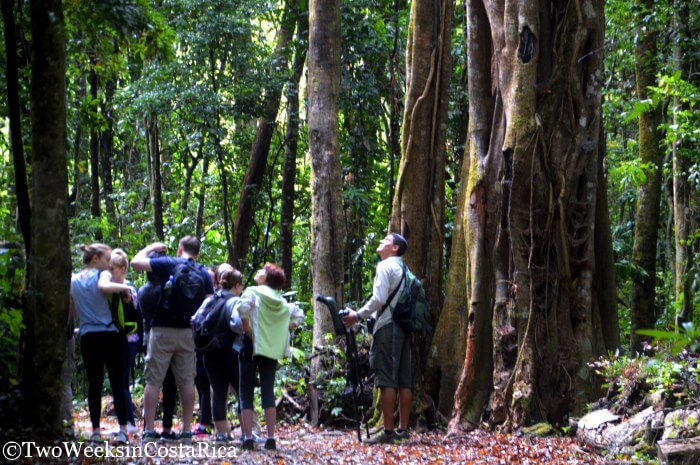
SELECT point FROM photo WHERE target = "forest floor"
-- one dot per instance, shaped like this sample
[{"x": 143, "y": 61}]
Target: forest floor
[{"x": 302, "y": 444}]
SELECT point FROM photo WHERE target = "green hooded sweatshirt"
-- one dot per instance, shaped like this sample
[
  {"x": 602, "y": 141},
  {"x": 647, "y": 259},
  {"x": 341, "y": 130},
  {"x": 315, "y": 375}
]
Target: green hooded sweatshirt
[{"x": 270, "y": 323}]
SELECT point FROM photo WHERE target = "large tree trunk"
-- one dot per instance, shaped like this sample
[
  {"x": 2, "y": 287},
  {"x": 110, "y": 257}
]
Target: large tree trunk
[
  {"x": 289, "y": 168},
  {"x": 50, "y": 262},
  {"x": 681, "y": 185},
  {"x": 327, "y": 222},
  {"x": 11, "y": 76},
  {"x": 534, "y": 121},
  {"x": 155, "y": 181},
  {"x": 447, "y": 356},
  {"x": 418, "y": 205},
  {"x": 261, "y": 143},
  {"x": 646, "y": 224}
]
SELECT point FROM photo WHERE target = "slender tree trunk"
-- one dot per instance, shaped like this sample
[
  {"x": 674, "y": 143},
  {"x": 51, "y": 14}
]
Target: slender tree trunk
[
  {"x": 11, "y": 76},
  {"x": 200, "y": 196},
  {"x": 219, "y": 153},
  {"x": 646, "y": 224},
  {"x": 94, "y": 153},
  {"x": 79, "y": 180},
  {"x": 327, "y": 222},
  {"x": 50, "y": 262},
  {"x": 107, "y": 152},
  {"x": 418, "y": 205},
  {"x": 156, "y": 183},
  {"x": 534, "y": 121},
  {"x": 261, "y": 143},
  {"x": 681, "y": 186},
  {"x": 290, "y": 150},
  {"x": 395, "y": 99},
  {"x": 606, "y": 290}
]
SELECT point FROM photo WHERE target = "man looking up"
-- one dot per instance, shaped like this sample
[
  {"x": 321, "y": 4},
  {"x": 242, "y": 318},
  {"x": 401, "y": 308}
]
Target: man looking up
[
  {"x": 390, "y": 354},
  {"x": 184, "y": 284}
]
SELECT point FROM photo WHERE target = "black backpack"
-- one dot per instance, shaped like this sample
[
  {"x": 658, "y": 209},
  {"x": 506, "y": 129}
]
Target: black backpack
[
  {"x": 211, "y": 326},
  {"x": 184, "y": 292}
]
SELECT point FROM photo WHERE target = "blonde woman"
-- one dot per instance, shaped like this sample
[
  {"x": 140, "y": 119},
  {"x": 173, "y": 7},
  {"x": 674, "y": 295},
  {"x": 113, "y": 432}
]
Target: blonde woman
[{"x": 101, "y": 343}]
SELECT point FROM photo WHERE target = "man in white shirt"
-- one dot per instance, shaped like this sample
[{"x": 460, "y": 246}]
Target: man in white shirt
[{"x": 390, "y": 354}]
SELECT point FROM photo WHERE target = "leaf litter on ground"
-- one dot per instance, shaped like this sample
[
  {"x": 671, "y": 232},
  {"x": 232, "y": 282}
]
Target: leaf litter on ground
[{"x": 302, "y": 444}]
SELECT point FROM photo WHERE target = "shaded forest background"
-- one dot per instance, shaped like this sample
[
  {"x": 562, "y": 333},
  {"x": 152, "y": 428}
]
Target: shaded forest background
[{"x": 208, "y": 117}]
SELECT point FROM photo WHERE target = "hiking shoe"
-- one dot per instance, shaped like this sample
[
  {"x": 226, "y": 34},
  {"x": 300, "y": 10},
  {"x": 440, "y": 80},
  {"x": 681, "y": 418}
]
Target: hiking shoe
[
  {"x": 132, "y": 428},
  {"x": 121, "y": 438},
  {"x": 201, "y": 430},
  {"x": 248, "y": 444},
  {"x": 271, "y": 444},
  {"x": 150, "y": 435},
  {"x": 402, "y": 435},
  {"x": 222, "y": 438},
  {"x": 95, "y": 437},
  {"x": 168, "y": 436},
  {"x": 185, "y": 436},
  {"x": 383, "y": 438}
]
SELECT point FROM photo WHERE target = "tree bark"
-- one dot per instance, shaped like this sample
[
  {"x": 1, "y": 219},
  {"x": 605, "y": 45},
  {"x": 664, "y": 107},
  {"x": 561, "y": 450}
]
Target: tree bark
[
  {"x": 643, "y": 308},
  {"x": 11, "y": 76},
  {"x": 50, "y": 262},
  {"x": 447, "y": 354},
  {"x": 106, "y": 152},
  {"x": 155, "y": 180},
  {"x": 94, "y": 153},
  {"x": 290, "y": 149},
  {"x": 200, "y": 197},
  {"x": 327, "y": 222},
  {"x": 418, "y": 205},
  {"x": 261, "y": 144},
  {"x": 534, "y": 121},
  {"x": 681, "y": 187}
]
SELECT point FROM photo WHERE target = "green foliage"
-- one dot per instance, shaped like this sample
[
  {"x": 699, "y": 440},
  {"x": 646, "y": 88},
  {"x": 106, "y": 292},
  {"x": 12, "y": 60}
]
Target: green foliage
[{"x": 688, "y": 338}]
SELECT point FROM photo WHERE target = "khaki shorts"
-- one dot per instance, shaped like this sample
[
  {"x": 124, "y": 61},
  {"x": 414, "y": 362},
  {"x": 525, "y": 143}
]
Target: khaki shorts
[
  {"x": 390, "y": 358},
  {"x": 170, "y": 347}
]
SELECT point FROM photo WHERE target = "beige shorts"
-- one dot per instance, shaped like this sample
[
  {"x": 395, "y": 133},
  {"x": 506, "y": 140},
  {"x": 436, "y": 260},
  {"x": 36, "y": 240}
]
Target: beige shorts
[{"x": 170, "y": 347}]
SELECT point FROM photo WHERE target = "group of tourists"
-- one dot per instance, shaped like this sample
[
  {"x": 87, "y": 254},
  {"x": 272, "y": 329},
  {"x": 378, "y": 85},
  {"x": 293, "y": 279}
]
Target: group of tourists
[{"x": 200, "y": 326}]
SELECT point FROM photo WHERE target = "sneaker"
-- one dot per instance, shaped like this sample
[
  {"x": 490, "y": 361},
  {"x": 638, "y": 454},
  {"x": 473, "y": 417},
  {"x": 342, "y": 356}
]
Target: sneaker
[
  {"x": 149, "y": 435},
  {"x": 201, "y": 430},
  {"x": 132, "y": 428},
  {"x": 95, "y": 437},
  {"x": 185, "y": 436},
  {"x": 402, "y": 435},
  {"x": 222, "y": 438},
  {"x": 270, "y": 444},
  {"x": 168, "y": 436},
  {"x": 248, "y": 444},
  {"x": 121, "y": 438},
  {"x": 383, "y": 438}
]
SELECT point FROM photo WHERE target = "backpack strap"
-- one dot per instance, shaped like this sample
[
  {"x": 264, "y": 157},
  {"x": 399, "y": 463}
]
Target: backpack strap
[{"x": 393, "y": 293}]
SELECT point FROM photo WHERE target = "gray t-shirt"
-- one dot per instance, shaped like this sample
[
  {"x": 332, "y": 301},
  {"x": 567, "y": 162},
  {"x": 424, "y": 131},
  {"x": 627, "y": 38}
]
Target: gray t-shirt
[{"x": 91, "y": 305}]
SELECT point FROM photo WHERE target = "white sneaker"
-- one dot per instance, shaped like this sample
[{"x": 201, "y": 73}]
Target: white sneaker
[{"x": 131, "y": 428}]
